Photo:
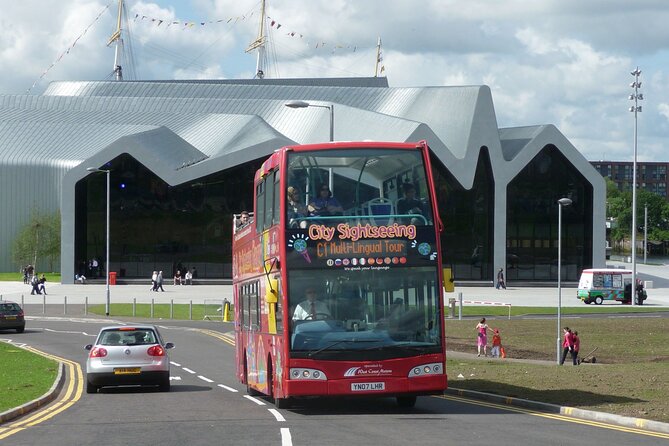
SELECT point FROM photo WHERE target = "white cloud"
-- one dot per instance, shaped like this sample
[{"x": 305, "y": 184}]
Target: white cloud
[{"x": 562, "y": 62}]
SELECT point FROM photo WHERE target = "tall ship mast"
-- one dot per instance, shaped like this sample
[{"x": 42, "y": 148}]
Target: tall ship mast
[{"x": 259, "y": 44}]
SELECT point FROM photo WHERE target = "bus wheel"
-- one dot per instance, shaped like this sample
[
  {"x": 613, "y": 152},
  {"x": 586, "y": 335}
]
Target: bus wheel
[
  {"x": 279, "y": 403},
  {"x": 599, "y": 300},
  {"x": 249, "y": 390},
  {"x": 406, "y": 401}
]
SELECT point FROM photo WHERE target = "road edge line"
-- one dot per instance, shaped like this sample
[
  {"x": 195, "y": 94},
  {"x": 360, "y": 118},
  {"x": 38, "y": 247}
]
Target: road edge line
[
  {"x": 43, "y": 400},
  {"x": 620, "y": 420}
]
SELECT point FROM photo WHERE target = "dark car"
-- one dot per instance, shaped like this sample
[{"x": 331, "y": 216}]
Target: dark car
[{"x": 11, "y": 316}]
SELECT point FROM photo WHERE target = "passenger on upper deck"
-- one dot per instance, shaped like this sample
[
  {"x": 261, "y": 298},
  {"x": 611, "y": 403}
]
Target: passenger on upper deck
[
  {"x": 296, "y": 209},
  {"x": 409, "y": 204},
  {"x": 325, "y": 204}
]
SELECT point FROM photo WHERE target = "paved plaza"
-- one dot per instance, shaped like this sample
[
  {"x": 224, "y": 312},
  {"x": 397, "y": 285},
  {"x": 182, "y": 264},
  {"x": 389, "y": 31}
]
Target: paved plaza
[{"x": 658, "y": 294}]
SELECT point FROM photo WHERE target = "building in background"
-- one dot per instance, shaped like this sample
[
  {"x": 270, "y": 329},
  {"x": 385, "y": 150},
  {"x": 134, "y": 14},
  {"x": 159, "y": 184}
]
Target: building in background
[
  {"x": 183, "y": 153},
  {"x": 651, "y": 176}
]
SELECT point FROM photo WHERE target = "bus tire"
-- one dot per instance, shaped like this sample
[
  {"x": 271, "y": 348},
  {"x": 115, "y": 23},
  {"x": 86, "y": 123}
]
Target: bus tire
[
  {"x": 406, "y": 402},
  {"x": 279, "y": 403},
  {"x": 599, "y": 300},
  {"x": 249, "y": 390}
]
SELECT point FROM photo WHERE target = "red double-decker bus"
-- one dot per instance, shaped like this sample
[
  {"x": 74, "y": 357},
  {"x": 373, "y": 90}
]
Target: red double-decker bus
[{"x": 337, "y": 278}]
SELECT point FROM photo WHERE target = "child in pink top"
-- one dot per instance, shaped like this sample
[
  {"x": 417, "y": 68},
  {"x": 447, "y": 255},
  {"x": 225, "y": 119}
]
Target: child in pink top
[{"x": 482, "y": 337}]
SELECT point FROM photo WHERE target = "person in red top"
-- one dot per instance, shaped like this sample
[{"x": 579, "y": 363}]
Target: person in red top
[
  {"x": 496, "y": 343},
  {"x": 567, "y": 344},
  {"x": 577, "y": 346}
]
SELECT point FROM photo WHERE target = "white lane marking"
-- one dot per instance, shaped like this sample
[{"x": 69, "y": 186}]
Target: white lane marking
[
  {"x": 176, "y": 364},
  {"x": 63, "y": 331},
  {"x": 204, "y": 378},
  {"x": 230, "y": 389},
  {"x": 255, "y": 400},
  {"x": 277, "y": 415},
  {"x": 163, "y": 327},
  {"x": 286, "y": 438},
  {"x": 175, "y": 378},
  {"x": 188, "y": 370}
]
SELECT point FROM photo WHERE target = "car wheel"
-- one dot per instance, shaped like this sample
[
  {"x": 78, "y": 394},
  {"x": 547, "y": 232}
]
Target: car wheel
[
  {"x": 406, "y": 401},
  {"x": 21, "y": 329},
  {"x": 164, "y": 385},
  {"x": 90, "y": 388},
  {"x": 599, "y": 300}
]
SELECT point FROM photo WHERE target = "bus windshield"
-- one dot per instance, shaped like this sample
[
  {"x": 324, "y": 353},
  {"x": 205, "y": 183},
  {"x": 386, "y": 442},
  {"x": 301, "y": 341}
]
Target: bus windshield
[
  {"x": 372, "y": 313},
  {"x": 375, "y": 186}
]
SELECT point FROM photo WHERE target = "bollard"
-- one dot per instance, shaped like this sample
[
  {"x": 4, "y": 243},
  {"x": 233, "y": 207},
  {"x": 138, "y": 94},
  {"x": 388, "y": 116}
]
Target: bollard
[
  {"x": 22, "y": 305},
  {"x": 190, "y": 311},
  {"x": 451, "y": 307},
  {"x": 86, "y": 305},
  {"x": 171, "y": 308},
  {"x": 65, "y": 305},
  {"x": 43, "y": 304},
  {"x": 134, "y": 306},
  {"x": 460, "y": 308},
  {"x": 151, "y": 308}
]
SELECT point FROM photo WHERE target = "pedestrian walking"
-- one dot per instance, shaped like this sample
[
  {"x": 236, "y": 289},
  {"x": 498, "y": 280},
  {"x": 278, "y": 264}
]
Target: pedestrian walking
[
  {"x": 567, "y": 344},
  {"x": 42, "y": 287},
  {"x": 34, "y": 283},
  {"x": 159, "y": 283},
  {"x": 154, "y": 281},
  {"x": 482, "y": 337},
  {"x": 500, "y": 279}
]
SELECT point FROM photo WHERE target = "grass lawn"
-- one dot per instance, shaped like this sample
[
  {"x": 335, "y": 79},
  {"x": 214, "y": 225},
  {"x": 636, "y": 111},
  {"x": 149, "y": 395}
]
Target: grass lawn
[
  {"x": 24, "y": 376},
  {"x": 18, "y": 277},
  {"x": 631, "y": 376}
]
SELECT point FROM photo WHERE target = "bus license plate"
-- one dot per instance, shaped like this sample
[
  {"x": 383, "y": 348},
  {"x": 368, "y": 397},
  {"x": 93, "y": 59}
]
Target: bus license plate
[
  {"x": 127, "y": 371},
  {"x": 368, "y": 387}
]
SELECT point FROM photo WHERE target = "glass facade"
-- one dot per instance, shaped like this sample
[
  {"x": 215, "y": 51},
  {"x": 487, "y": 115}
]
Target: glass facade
[
  {"x": 467, "y": 239},
  {"x": 155, "y": 226},
  {"x": 532, "y": 220}
]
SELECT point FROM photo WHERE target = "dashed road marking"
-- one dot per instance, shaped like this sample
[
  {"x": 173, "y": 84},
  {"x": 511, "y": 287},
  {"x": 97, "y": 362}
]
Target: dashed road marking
[
  {"x": 176, "y": 364},
  {"x": 286, "y": 438},
  {"x": 204, "y": 378},
  {"x": 255, "y": 400},
  {"x": 186, "y": 369},
  {"x": 277, "y": 415},
  {"x": 229, "y": 389}
]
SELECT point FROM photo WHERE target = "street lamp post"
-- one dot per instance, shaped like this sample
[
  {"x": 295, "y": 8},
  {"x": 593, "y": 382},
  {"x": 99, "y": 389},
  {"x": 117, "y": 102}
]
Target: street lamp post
[
  {"x": 562, "y": 202},
  {"x": 303, "y": 104},
  {"x": 636, "y": 108},
  {"x": 107, "y": 171}
]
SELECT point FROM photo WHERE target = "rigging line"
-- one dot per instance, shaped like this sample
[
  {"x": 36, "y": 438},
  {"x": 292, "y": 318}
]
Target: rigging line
[
  {"x": 320, "y": 66},
  {"x": 67, "y": 51},
  {"x": 205, "y": 50},
  {"x": 177, "y": 59},
  {"x": 131, "y": 57}
]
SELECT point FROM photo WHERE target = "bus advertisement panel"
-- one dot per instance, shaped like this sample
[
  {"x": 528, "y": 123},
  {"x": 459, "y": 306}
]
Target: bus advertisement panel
[{"x": 346, "y": 294}]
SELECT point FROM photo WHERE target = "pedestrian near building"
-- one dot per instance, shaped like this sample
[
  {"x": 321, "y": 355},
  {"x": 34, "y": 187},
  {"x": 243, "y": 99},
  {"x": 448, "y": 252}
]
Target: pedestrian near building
[
  {"x": 500, "y": 279},
  {"x": 567, "y": 344},
  {"x": 159, "y": 282},
  {"x": 482, "y": 337},
  {"x": 154, "y": 281}
]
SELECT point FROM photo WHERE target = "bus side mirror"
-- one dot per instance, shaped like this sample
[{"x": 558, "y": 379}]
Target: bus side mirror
[{"x": 272, "y": 291}]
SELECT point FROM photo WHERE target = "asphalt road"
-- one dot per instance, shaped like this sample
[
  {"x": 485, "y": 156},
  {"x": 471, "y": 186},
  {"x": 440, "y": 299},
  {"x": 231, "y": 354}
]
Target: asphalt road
[{"x": 208, "y": 406}]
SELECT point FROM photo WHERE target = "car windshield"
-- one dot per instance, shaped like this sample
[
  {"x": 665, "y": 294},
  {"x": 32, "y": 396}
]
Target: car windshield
[
  {"x": 9, "y": 308},
  {"x": 127, "y": 337},
  {"x": 338, "y": 316}
]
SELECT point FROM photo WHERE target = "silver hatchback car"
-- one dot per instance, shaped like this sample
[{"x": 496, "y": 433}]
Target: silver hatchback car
[{"x": 128, "y": 355}]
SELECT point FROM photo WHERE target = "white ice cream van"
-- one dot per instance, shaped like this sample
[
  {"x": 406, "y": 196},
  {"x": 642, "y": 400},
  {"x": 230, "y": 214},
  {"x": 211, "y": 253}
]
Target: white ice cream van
[{"x": 598, "y": 285}]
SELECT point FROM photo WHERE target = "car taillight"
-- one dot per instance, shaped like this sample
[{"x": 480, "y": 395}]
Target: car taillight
[
  {"x": 98, "y": 352},
  {"x": 21, "y": 313},
  {"x": 156, "y": 350}
]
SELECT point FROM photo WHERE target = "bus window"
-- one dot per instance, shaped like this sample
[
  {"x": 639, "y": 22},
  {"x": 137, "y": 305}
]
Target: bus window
[
  {"x": 269, "y": 200},
  {"x": 276, "y": 211},
  {"x": 260, "y": 204}
]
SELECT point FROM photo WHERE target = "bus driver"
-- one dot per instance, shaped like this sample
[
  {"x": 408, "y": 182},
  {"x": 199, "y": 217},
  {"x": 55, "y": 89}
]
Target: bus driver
[{"x": 311, "y": 308}]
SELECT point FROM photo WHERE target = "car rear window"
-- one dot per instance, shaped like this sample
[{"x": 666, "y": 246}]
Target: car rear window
[
  {"x": 9, "y": 308},
  {"x": 128, "y": 337}
]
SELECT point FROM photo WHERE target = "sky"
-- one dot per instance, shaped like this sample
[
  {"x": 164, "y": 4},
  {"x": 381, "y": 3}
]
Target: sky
[{"x": 560, "y": 62}]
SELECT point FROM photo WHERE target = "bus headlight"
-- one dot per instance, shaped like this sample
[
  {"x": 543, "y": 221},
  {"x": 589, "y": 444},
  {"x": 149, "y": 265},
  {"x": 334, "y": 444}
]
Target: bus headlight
[
  {"x": 311, "y": 374},
  {"x": 435, "y": 368}
]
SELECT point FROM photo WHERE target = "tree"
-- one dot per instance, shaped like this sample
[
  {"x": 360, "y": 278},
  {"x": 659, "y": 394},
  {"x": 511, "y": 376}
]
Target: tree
[{"x": 38, "y": 240}]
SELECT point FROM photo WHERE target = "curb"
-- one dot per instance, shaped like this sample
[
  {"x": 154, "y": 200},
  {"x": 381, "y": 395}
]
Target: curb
[
  {"x": 49, "y": 396},
  {"x": 637, "y": 423}
]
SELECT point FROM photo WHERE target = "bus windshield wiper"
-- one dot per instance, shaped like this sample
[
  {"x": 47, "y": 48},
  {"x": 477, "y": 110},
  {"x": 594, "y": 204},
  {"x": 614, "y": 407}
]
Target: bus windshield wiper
[
  {"x": 402, "y": 346},
  {"x": 315, "y": 352}
]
